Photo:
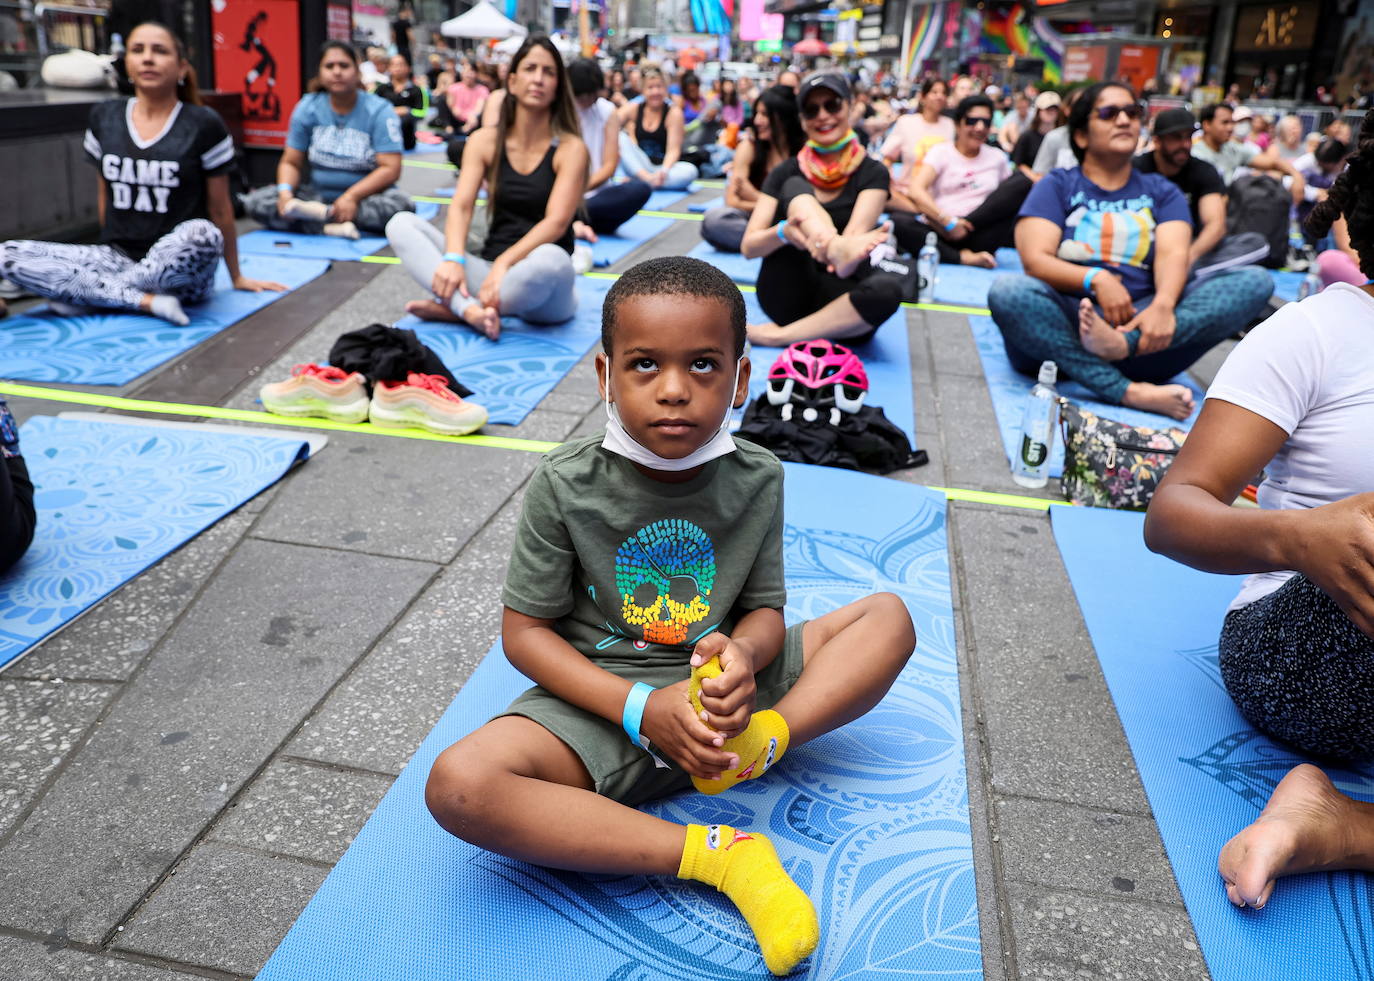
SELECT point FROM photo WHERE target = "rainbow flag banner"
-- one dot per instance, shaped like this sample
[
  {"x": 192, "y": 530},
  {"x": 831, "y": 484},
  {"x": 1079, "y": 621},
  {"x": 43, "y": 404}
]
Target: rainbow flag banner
[{"x": 1010, "y": 30}]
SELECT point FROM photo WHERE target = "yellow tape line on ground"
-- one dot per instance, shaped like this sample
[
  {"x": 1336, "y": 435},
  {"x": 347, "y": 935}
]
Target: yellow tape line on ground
[
  {"x": 680, "y": 215},
  {"x": 386, "y": 260},
  {"x": 492, "y": 442},
  {"x": 429, "y": 164},
  {"x": 245, "y": 415}
]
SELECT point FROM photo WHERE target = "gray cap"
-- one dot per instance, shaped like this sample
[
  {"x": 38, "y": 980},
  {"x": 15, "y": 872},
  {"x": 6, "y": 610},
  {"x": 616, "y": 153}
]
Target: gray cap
[
  {"x": 833, "y": 81},
  {"x": 1174, "y": 121}
]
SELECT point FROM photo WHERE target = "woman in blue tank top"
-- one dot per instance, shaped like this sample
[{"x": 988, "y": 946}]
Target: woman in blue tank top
[{"x": 534, "y": 164}]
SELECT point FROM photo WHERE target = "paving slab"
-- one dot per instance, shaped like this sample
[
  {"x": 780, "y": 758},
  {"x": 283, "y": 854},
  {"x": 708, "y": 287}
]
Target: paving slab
[
  {"x": 407, "y": 498},
  {"x": 225, "y": 908},
  {"x": 542, "y": 423},
  {"x": 302, "y": 811},
  {"x": 1085, "y": 850},
  {"x": 1062, "y": 936},
  {"x": 33, "y": 960},
  {"x": 40, "y": 723},
  {"x": 115, "y": 635},
  {"x": 376, "y": 719},
  {"x": 1052, "y": 730},
  {"x": 274, "y": 631},
  {"x": 974, "y": 456},
  {"x": 953, "y": 352}
]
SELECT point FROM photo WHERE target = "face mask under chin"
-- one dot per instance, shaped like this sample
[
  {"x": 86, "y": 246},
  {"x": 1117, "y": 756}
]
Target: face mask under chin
[{"x": 619, "y": 441}]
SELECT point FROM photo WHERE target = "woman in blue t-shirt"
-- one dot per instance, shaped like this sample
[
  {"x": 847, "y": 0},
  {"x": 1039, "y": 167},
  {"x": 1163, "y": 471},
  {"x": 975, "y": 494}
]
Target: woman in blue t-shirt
[
  {"x": 1105, "y": 247},
  {"x": 351, "y": 140}
]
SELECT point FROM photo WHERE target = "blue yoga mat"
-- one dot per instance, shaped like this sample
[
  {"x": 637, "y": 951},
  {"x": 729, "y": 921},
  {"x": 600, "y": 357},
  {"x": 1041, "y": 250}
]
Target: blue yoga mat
[
  {"x": 113, "y": 498},
  {"x": 116, "y": 347},
  {"x": 886, "y": 358},
  {"x": 701, "y": 207},
  {"x": 664, "y": 198},
  {"x": 511, "y": 375},
  {"x": 1287, "y": 284},
  {"x": 629, "y": 236},
  {"x": 734, "y": 265},
  {"x": 265, "y": 241},
  {"x": 871, "y": 820},
  {"x": 1206, "y": 771},
  {"x": 1008, "y": 388}
]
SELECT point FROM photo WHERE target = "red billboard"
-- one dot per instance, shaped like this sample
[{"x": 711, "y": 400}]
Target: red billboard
[{"x": 257, "y": 53}]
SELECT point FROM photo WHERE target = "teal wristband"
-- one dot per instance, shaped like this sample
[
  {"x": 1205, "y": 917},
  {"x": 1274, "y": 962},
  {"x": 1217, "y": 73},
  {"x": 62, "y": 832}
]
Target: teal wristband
[
  {"x": 283, "y": 186},
  {"x": 953, "y": 224},
  {"x": 1088, "y": 278},
  {"x": 462, "y": 260},
  {"x": 781, "y": 229},
  {"x": 634, "y": 710}
]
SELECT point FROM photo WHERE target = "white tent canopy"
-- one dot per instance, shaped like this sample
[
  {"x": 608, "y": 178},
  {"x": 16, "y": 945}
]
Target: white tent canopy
[{"x": 482, "y": 21}]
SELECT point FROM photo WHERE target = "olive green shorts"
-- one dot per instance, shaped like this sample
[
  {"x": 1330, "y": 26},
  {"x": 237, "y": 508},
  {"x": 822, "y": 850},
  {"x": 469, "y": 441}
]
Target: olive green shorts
[{"x": 621, "y": 770}]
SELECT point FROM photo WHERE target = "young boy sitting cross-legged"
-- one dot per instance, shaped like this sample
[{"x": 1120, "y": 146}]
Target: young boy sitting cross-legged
[{"x": 644, "y": 598}]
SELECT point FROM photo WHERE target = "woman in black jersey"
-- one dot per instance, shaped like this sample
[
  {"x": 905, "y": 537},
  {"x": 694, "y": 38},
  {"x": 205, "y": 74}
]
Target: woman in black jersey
[
  {"x": 165, "y": 215},
  {"x": 651, "y": 141},
  {"x": 535, "y": 166},
  {"x": 408, "y": 98},
  {"x": 772, "y": 135},
  {"x": 815, "y": 225}
]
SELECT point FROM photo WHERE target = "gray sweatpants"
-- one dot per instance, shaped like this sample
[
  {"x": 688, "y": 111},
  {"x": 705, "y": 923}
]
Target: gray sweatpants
[
  {"x": 374, "y": 211},
  {"x": 538, "y": 289}
]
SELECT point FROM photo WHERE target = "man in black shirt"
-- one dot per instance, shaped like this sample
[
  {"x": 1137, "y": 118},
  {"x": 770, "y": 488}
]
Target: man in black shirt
[{"x": 1212, "y": 250}]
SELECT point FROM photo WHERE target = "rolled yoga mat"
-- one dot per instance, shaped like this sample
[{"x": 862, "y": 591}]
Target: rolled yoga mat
[
  {"x": 1206, "y": 771},
  {"x": 265, "y": 241},
  {"x": 871, "y": 820},
  {"x": 113, "y": 498},
  {"x": 1008, "y": 389},
  {"x": 115, "y": 347}
]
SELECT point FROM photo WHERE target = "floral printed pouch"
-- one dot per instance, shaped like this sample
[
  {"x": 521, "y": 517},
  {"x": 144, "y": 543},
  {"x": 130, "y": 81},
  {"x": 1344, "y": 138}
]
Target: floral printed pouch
[{"x": 1108, "y": 464}]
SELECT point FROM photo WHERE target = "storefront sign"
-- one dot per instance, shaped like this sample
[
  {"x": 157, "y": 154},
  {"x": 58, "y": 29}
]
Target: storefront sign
[
  {"x": 257, "y": 47},
  {"x": 1277, "y": 27},
  {"x": 1137, "y": 65},
  {"x": 338, "y": 22},
  {"x": 1084, "y": 63}
]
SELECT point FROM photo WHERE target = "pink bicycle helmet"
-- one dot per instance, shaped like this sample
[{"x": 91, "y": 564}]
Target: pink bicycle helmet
[{"x": 818, "y": 374}]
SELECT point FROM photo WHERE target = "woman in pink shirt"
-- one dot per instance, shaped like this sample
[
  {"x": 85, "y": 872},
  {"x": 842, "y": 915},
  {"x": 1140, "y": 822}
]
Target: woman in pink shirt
[
  {"x": 946, "y": 193},
  {"x": 915, "y": 133},
  {"x": 465, "y": 98}
]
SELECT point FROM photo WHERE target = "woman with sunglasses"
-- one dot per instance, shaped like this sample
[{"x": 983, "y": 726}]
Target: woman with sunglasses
[
  {"x": 952, "y": 191},
  {"x": 815, "y": 224},
  {"x": 1105, "y": 248}
]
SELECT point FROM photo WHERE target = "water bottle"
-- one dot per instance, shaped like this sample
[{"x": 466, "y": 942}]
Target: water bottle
[
  {"x": 928, "y": 269},
  {"x": 1032, "y": 465},
  {"x": 1311, "y": 283}
]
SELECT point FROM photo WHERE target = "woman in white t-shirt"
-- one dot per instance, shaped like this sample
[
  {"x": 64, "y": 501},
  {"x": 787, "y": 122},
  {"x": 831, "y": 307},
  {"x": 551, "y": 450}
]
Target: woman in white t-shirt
[{"x": 1295, "y": 399}]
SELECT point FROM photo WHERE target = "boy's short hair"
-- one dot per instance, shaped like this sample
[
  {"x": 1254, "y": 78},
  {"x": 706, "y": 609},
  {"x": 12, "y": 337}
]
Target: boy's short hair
[{"x": 674, "y": 275}]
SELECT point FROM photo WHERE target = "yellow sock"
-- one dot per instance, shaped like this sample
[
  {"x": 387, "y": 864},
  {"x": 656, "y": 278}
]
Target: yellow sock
[
  {"x": 758, "y": 747},
  {"x": 745, "y": 867}
]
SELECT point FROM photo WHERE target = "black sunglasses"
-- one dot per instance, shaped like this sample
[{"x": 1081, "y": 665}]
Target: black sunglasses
[
  {"x": 1133, "y": 110},
  {"x": 973, "y": 122},
  {"x": 813, "y": 109}
]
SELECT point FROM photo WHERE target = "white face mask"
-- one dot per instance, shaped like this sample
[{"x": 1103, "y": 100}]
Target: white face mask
[
  {"x": 618, "y": 439},
  {"x": 1243, "y": 129}
]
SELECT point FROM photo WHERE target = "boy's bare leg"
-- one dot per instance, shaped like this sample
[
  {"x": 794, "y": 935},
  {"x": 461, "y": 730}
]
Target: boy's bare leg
[
  {"x": 514, "y": 788},
  {"x": 853, "y": 655}
]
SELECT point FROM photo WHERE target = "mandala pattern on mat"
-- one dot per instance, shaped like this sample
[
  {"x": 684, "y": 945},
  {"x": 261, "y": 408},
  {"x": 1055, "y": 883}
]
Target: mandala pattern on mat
[{"x": 111, "y": 500}]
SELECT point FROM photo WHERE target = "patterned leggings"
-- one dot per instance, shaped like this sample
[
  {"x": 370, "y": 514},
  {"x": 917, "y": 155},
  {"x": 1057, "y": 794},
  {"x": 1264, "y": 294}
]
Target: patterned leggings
[
  {"x": 1299, "y": 670},
  {"x": 1039, "y": 324},
  {"x": 181, "y": 264},
  {"x": 374, "y": 211}
]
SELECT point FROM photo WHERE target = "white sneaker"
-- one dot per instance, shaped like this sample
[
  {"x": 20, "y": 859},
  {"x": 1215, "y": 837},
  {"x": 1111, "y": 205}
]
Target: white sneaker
[{"x": 582, "y": 258}]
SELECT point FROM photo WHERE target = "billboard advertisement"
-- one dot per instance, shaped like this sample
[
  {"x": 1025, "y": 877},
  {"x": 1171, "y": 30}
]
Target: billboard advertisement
[{"x": 257, "y": 47}]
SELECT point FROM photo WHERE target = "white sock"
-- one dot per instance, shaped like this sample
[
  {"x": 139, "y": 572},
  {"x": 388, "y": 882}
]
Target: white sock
[
  {"x": 342, "y": 229},
  {"x": 169, "y": 308}
]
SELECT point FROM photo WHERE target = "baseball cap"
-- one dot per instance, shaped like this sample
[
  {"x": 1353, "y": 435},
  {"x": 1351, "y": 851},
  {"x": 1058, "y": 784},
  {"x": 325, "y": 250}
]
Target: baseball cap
[
  {"x": 1047, "y": 100},
  {"x": 1174, "y": 121},
  {"x": 1242, "y": 112},
  {"x": 833, "y": 81}
]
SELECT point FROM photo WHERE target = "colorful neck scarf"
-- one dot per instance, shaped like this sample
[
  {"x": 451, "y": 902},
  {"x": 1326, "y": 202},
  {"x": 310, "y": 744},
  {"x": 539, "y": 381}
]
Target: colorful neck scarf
[{"x": 828, "y": 167}]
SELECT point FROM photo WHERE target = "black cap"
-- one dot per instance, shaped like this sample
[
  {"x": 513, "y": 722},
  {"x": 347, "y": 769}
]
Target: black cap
[
  {"x": 833, "y": 81},
  {"x": 1174, "y": 121}
]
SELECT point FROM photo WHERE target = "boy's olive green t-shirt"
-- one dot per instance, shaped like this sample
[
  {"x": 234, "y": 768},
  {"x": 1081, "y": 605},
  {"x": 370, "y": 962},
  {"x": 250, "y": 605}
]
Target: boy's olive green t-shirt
[{"x": 635, "y": 571}]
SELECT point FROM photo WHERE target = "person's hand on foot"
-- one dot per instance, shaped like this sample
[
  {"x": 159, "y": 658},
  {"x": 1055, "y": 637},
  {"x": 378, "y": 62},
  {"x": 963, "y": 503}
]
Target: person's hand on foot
[
  {"x": 675, "y": 732},
  {"x": 727, "y": 699},
  {"x": 583, "y": 231},
  {"x": 846, "y": 252},
  {"x": 344, "y": 208},
  {"x": 1112, "y": 297},
  {"x": 1099, "y": 337},
  {"x": 449, "y": 278},
  {"x": 961, "y": 230},
  {"x": 1156, "y": 324}
]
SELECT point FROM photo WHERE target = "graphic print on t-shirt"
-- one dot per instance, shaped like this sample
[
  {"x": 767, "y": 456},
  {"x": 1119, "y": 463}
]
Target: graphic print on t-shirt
[
  {"x": 1115, "y": 232},
  {"x": 343, "y": 148},
  {"x": 665, "y": 573}
]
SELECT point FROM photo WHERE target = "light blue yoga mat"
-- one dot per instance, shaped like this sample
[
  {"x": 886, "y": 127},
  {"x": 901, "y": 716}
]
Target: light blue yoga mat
[
  {"x": 116, "y": 347},
  {"x": 886, "y": 358},
  {"x": 113, "y": 498},
  {"x": 1206, "y": 771},
  {"x": 511, "y": 375},
  {"x": 265, "y": 241},
  {"x": 1287, "y": 284},
  {"x": 734, "y": 265},
  {"x": 664, "y": 198},
  {"x": 701, "y": 207},
  {"x": 1008, "y": 389},
  {"x": 871, "y": 820},
  {"x": 609, "y": 249}
]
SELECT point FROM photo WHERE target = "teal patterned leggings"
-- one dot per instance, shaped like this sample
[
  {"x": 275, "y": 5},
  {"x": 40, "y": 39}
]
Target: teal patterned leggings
[{"x": 1039, "y": 324}]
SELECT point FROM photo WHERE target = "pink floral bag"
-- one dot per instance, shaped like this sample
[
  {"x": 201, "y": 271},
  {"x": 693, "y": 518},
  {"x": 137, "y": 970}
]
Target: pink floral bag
[{"x": 1108, "y": 464}]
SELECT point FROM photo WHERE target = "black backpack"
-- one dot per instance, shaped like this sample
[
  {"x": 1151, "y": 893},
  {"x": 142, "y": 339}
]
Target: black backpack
[{"x": 1256, "y": 203}]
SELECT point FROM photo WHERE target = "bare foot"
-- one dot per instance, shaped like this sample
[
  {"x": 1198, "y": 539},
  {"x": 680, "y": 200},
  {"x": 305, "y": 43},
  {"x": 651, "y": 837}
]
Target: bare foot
[
  {"x": 968, "y": 257},
  {"x": 1098, "y": 336},
  {"x": 845, "y": 252},
  {"x": 767, "y": 335},
  {"x": 432, "y": 310},
  {"x": 583, "y": 231},
  {"x": 485, "y": 319},
  {"x": 1174, "y": 401},
  {"x": 1303, "y": 828}
]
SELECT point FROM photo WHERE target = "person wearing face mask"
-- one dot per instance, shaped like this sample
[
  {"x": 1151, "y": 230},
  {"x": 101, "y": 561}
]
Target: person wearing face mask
[
  {"x": 1220, "y": 149},
  {"x": 644, "y": 598}
]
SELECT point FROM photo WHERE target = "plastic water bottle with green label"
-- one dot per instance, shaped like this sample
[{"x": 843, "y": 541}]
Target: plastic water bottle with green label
[{"x": 1031, "y": 468}]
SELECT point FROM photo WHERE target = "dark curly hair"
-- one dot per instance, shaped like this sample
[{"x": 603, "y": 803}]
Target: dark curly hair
[
  {"x": 1352, "y": 197},
  {"x": 674, "y": 275}
]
